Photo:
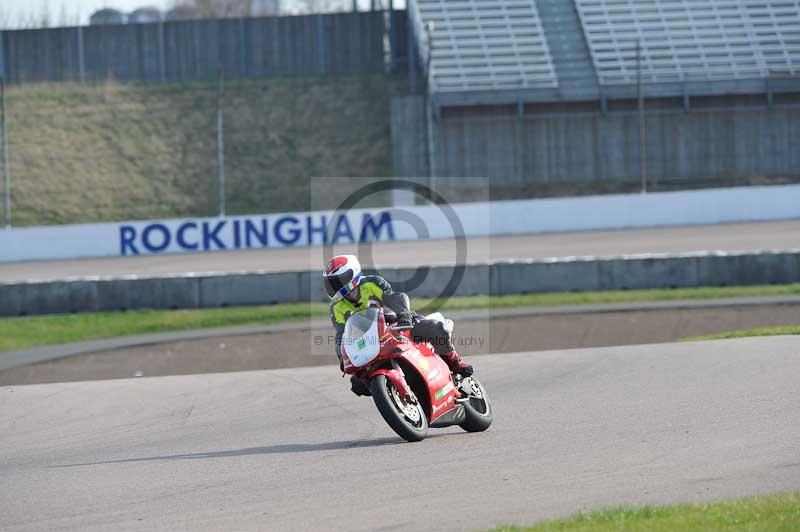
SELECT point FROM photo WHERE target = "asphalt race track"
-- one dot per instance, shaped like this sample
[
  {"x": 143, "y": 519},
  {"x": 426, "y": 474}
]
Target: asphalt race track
[
  {"x": 293, "y": 449},
  {"x": 723, "y": 237}
]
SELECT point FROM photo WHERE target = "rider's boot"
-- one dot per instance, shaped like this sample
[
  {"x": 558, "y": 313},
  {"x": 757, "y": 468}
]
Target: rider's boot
[{"x": 456, "y": 364}]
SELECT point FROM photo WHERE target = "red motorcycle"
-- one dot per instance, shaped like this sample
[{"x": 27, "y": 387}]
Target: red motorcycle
[{"x": 412, "y": 386}]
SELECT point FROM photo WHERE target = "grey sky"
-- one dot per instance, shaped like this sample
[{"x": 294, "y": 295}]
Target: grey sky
[
  {"x": 12, "y": 11},
  {"x": 78, "y": 11}
]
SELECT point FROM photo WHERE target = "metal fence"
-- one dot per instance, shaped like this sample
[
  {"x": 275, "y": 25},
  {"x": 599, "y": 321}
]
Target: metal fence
[{"x": 179, "y": 51}]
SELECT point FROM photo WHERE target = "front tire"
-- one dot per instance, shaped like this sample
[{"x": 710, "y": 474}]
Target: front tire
[
  {"x": 406, "y": 418},
  {"x": 478, "y": 411}
]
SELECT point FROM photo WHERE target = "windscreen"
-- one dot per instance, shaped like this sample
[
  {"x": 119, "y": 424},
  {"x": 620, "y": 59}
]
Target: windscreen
[{"x": 360, "y": 339}]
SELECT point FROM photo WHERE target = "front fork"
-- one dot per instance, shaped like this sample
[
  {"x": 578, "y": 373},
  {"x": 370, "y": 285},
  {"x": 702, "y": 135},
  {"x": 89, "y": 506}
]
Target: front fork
[{"x": 397, "y": 378}]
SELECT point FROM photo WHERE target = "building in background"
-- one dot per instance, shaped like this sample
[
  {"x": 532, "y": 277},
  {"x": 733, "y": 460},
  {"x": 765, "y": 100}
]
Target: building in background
[
  {"x": 182, "y": 12},
  {"x": 266, "y": 8},
  {"x": 144, "y": 15},
  {"x": 107, "y": 16}
]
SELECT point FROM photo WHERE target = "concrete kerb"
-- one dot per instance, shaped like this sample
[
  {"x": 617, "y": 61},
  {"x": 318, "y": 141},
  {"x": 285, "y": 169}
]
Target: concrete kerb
[
  {"x": 154, "y": 292},
  {"x": 476, "y": 280},
  {"x": 249, "y": 289},
  {"x": 648, "y": 272},
  {"x": 496, "y": 278},
  {"x": 762, "y": 267}
]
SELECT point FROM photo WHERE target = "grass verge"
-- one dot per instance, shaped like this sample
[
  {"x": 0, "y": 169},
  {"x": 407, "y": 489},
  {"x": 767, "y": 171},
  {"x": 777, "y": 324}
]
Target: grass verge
[
  {"x": 747, "y": 333},
  {"x": 33, "y": 331},
  {"x": 755, "y": 514}
]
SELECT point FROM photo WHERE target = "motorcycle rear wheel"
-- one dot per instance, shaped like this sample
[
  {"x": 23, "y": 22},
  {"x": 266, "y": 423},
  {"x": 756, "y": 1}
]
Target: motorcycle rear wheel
[
  {"x": 478, "y": 411},
  {"x": 406, "y": 418}
]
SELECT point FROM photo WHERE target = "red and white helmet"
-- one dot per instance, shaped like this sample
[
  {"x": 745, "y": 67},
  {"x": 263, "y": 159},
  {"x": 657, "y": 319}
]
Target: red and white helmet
[{"x": 341, "y": 275}]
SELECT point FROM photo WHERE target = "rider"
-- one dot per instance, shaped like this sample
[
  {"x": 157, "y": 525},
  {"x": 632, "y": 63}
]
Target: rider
[{"x": 350, "y": 291}]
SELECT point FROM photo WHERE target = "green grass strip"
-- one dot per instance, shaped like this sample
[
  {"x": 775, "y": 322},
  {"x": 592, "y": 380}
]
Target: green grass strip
[
  {"x": 560, "y": 299},
  {"x": 32, "y": 331},
  {"x": 785, "y": 330},
  {"x": 773, "y": 513}
]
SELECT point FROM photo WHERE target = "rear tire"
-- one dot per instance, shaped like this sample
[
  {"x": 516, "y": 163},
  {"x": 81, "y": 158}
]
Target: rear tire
[
  {"x": 411, "y": 424},
  {"x": 478, "y": 411}
]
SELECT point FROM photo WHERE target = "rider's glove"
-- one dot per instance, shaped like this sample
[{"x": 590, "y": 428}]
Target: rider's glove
[
  {"x": 390, "y": 316},
  {"x": 405, "y": 319}
]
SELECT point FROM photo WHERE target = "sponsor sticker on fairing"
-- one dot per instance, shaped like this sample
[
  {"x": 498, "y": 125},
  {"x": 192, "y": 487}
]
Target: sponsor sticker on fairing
[
  {"x": 433, "y": 375},
  {"x": 444, "y": 391},
  {"x": 438, "y": 408}
]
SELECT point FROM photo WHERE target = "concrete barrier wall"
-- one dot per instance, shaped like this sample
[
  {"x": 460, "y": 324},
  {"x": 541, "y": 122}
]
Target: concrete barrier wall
[
  {"x": 721, "y": 138},
  {"x": 498, "y": 278}
]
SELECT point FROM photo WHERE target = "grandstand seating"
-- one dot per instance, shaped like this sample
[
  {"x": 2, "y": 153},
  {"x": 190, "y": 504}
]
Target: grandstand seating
[
  {"x": 691, "y": 40},
  {"x": 482, "y": 44}
]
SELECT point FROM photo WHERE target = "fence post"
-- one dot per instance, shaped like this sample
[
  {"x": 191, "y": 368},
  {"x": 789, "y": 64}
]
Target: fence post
[
  {"x": 162, "y": 55},
  {"x": 392, "y": 40},
  {"x": 242, "y": 48},
  {"x": 412, "y": 58},
  {"x": 6, "y": 177},
  {"x": 321, "y": 42},
  {"x": 81, "y": 56},
  {"x": 220, "y": 146},
  {"x": 519, "y": 140},
  {"x": 433, "y": 111},
  {"x": 2, "y": 57},
  {"x": 642, "y": 124}
]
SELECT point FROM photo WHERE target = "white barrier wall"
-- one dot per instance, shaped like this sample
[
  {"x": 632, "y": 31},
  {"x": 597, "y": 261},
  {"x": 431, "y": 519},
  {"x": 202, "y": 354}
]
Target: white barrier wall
[{"x": 402, "y": 223}]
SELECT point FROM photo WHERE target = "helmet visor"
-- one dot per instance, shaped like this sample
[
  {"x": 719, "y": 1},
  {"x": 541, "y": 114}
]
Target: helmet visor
[{"x": 334, "y": 283}]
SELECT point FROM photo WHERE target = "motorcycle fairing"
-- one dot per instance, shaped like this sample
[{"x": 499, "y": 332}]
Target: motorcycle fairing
[
  {"x": 454, "y": 416},
  {"x": 435, "y": 373}
]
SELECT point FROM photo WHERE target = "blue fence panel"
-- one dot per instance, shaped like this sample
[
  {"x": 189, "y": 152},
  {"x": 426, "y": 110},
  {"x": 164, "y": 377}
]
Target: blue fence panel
[{"x": 178, "y": 51}]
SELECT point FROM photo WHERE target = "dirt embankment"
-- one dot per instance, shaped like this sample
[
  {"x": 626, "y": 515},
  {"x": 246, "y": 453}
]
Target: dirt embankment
[{"x": 97, "y": 153}]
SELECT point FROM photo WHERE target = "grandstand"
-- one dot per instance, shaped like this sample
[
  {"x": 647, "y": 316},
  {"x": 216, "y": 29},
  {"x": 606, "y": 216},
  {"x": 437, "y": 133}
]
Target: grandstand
[
  {"x": 701, "y": 40},
  {"x": 537, "y": 92},
  {"x": 483, "y": 45},
  {"x": 471, "y": 46}
]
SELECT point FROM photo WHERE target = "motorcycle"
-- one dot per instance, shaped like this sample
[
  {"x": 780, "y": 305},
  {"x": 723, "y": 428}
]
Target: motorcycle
[{"x": 412, "y": 387}]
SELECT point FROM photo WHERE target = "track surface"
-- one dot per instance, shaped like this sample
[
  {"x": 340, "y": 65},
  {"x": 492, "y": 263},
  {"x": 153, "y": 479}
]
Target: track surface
[
  {"x": 725, "y": 237},
  {"x": 293, "y": 449}
]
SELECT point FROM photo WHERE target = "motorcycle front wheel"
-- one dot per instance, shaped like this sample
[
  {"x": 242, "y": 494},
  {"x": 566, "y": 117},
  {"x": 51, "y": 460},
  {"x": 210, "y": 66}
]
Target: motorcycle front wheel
[{"x": 406, "y": 417}]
